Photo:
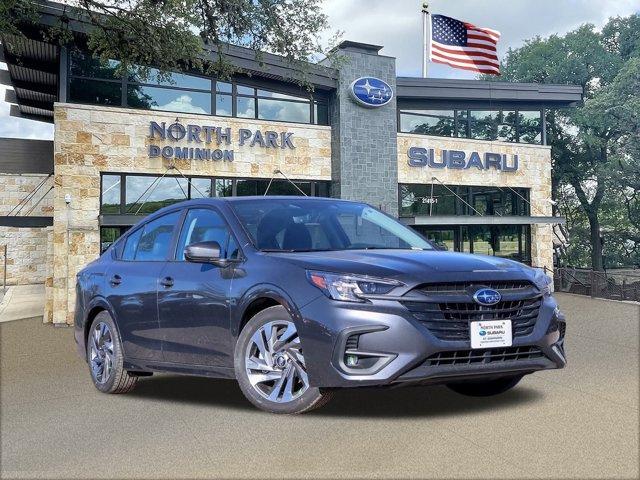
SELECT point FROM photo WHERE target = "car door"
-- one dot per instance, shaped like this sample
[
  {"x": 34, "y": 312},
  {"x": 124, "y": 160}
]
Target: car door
[
  {"x": 193, "y": 298},
  {"x": 132, "y": 287}
]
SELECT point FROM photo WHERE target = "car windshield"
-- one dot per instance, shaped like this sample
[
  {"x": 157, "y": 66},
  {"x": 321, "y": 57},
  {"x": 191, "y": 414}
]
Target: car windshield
[{"x": 306, "y": 225}]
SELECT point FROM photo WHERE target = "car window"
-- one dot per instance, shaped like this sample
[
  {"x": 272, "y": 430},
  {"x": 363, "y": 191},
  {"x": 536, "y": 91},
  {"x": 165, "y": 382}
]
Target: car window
[
  {"x": 204, "y": 225},
  {"x": 131, "y": 244},
  {"x": 156, "y": 238}
]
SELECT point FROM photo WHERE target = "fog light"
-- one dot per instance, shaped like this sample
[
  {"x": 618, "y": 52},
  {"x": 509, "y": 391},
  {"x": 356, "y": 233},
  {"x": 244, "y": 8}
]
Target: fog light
[{"x": 352, "y": 360}]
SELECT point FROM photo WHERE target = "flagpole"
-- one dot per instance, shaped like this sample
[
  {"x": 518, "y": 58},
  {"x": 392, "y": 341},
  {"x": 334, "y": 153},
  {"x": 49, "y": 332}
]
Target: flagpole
[{"x": 426, "y": 37}]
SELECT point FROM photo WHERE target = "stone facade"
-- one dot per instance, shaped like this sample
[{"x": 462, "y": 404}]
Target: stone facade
[
  {"x": 89, "y": 140},
  {"x": 26, "y": 247},
  {"x": 364, "y": 139},
  {"x": 534, "y": 173}
]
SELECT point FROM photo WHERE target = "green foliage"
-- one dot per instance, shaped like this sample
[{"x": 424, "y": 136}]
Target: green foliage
[
  {"x": 172, "y": 35},
  {"x": 596, "y": 146}
]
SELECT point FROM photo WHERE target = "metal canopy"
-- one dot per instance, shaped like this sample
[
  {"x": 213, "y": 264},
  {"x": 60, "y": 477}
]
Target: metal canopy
[{"x": 480, "y": 220}]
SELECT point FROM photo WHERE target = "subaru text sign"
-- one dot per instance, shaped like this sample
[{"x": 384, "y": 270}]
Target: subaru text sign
[
  {"x": 457, "y": 159},
  {"x": 371, "y": 92}
]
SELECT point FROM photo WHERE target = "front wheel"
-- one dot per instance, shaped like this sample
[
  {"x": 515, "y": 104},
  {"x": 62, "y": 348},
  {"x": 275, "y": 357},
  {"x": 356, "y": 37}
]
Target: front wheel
[
  {"x": 486, "y": 388},
  {"x": 270, "y": 365}
]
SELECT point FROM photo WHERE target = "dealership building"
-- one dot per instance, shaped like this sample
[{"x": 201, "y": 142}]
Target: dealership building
[{"x": 464, "y": 162}]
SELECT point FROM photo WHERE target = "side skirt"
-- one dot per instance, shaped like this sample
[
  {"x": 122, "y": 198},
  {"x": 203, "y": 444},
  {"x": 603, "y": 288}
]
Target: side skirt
[{"x": 184, "y": 369}]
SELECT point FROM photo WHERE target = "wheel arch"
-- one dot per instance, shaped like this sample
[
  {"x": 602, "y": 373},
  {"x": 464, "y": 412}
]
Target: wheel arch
[
  {"x": 260, "y": 298},
  {"x": 97, "y": 305}
]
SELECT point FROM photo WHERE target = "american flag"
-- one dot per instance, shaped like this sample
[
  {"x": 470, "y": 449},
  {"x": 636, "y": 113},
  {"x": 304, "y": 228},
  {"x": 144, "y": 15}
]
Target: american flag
[{"x": 463, "y": 45}]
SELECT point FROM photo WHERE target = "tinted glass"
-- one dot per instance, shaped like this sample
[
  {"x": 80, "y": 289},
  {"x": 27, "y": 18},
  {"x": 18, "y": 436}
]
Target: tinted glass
[
  {"x": 246, "y": 107},
  {"x": 321, "y": 114},
  {"x": 108, "y": 235},
  {"x": 110, "y": 202},
  {"x": 200, "y": 187},
  {"x": 242, "y": 90},
  {"x": 223, "y": 87},
  {"x": 156, "y": 238},
  {"x": 151, "y": 75},
  {"x": 156, "y": 98},
  {"x": 484, "y": 125},
  {"x": 223, "y": 105},
  {"x": 530, "y": 129},
  {"x": 203, "y": 225},
  {"x": 308, "y": 225},
  {"x": 462, "y": 119},
  {"x": 283, "y": 111},
  {"x": 267, "y": 93},
  {"x": 428, "y": 122},
  {"x": 223, "y": 187},
  {"x": 246, "y": 188},
  {"x": 506, "y": 121},
  {"x": 148, "y": 194},
  {"x": 129, "y": 252},
  {"x": 95, "y": 92},
  {"x": 85, "y": 65}
]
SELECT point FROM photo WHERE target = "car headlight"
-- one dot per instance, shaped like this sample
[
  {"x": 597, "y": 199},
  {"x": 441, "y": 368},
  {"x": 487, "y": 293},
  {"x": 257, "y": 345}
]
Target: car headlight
[
  {"x": 543, "y": 281},
  {"x": 350, "y": 288}
]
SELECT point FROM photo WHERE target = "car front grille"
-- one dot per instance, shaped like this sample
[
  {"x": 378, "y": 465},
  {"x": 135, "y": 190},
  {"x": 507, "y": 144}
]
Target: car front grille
[
  {"x": 462, "y": 287},
  {"x": 492, "y": 355},
  {"x": 450, "y": 321}
]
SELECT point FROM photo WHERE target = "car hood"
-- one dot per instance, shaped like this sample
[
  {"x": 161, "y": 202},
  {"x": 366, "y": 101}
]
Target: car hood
[{"x": 410, "y": 266}]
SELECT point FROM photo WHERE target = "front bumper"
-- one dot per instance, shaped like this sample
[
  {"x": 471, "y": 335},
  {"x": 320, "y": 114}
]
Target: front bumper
[{"x": 395, "y": 348}]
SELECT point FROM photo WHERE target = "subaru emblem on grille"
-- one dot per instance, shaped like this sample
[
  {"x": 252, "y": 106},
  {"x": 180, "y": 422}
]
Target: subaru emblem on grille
[{"x": 487, "y": 296}]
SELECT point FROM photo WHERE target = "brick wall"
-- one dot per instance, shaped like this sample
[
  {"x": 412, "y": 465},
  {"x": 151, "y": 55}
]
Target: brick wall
[{"x": 26, "y": 247}]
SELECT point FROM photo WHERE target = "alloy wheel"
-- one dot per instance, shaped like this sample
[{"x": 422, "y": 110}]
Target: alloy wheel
[
  {"x": 274, "y": 362},
  {"x": 101, "y": 352}
]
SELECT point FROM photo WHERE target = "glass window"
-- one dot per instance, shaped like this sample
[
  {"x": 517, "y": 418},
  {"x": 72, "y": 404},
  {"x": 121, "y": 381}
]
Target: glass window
[
  {"x": 484, "y": 125},
  {"x": 267, "y": 93},
  {"x": 203, "y": 225},
  {"x": 529, "y": 127},
  {"x": 95, "y": 92},
  {"x": 246, "y": 187},
  {"x": 223, "y": 187},
  {"x": 428, "y": 122},
  {"x": 157, "y": 98},
  {"x": 283, "y": 187},
  {"x": 506, "y": 121},
  {"x": 152, "y": 75},
  {"x": 321, "y": 113},
  {"x": 108, "y": 235},
  {"x": 110, "y": 202},
  {"x": 420, "y": 200},
  {"x": 156, "y": 238},
  {"x": 283, "y": 111},
  {"x": 242, "y": 90},
  {"x": 462, "y": 119},
  {"x": 131, "y": 245},
  {"x": 83, "y": 64},
  {"x": 146, "y": 194},
  {"x": 245, "y": 107},
  {"x": 224, "y": 87},
  {"x": 224, "y": 105},
  {"x": 294, "y": 224},
  {"x": 323, "y": 189},
  {"x": 200, "y": 188}
]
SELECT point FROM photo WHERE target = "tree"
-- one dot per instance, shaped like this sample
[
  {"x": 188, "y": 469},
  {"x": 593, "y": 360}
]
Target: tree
[
  {"x": 594, "y": 146},
  {"x": 172, "y": 35}
]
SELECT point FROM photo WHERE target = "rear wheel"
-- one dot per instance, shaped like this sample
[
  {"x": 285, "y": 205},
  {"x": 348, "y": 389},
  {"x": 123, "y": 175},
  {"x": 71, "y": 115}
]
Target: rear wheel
[
  {"x": 270, "y": 365},
  {"x": 105, "y": 359},
  {"x": 485, "y": 388}
]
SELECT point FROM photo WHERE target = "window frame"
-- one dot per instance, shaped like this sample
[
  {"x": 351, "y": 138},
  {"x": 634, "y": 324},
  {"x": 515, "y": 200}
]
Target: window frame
[{"x": 230, "y": 233}]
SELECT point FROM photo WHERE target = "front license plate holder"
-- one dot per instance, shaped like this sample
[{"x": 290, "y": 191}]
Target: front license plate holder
[{"x": 490, "y": 333}]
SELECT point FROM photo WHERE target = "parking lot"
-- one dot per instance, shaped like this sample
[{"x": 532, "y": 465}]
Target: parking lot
[{"x": 580, "y": 422}]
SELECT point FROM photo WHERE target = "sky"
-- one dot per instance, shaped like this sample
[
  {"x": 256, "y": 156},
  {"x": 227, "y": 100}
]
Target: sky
[{"x": 397, "y": 25}]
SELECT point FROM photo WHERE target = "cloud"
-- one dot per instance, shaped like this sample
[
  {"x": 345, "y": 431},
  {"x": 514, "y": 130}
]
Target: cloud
[{"x": 398, "y": 25}]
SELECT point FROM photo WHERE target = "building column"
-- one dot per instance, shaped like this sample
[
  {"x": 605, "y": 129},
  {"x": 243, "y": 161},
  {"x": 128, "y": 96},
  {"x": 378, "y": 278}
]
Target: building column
[{"x": 364, "y": 140}]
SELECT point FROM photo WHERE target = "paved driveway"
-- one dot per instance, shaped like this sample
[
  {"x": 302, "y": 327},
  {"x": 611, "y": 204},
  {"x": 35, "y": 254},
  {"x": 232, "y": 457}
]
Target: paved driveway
[{"x": 580, "y": 422}]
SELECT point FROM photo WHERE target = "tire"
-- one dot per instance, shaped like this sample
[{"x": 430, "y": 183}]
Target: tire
[
  {"x": 104, "y": 349},
  {"x": 282, "y": 385},
  {"x": 485, "y": 388}
]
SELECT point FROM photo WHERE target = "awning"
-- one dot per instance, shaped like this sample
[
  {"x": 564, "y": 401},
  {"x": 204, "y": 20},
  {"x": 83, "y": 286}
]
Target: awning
[{"x": 480, "y": 220}]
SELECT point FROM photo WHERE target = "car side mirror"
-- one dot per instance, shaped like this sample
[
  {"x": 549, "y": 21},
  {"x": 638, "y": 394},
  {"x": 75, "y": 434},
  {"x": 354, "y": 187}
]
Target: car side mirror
[{"x": 204, "y": 252}]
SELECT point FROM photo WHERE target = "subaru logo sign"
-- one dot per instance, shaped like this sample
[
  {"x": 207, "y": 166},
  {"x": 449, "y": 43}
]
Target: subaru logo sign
[
  {"x": 371, "y": 92},
  {"x": 487, "y": 296}
]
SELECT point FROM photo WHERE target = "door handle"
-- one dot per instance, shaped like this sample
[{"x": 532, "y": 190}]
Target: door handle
[
  {"x": 167, "y": 282},
  {"x": 115, "y": 280}
]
